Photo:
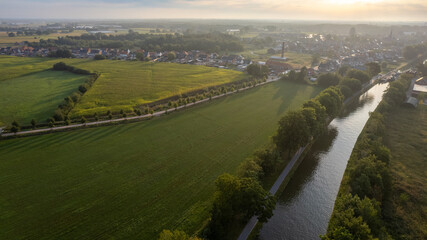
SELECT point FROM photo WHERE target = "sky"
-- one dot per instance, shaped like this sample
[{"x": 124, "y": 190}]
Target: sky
[{"x": 347, "y": 10}]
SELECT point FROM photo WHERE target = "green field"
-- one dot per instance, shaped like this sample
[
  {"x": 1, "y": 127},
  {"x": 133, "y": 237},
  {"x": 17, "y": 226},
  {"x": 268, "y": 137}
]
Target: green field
[
  {"x": 126, "y": 84},
  {"x": 5, "y": 40},
  {"x": 35, "y": 96},
  {"x": 131, "y": 181},
  {"x": 406, "y": 136}
]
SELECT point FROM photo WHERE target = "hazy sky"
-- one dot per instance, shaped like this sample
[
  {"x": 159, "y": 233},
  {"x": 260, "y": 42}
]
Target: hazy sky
[{"x": 364, "y": 10}]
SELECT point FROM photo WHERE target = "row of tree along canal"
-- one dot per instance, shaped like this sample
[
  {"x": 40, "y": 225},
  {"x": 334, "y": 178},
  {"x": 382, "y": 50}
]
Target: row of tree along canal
[{"x": 305, "y": 206}]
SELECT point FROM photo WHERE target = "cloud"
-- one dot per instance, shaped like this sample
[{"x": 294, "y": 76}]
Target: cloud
[{"x": 233, "y": 9}]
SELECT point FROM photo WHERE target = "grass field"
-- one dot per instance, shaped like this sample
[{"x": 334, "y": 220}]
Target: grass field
[
  {"x": 35, "y": 96},
  {"x": 406, "y": 136},
  {"x": 125, "y": 84},
  {"x": 131, "y": 181}
]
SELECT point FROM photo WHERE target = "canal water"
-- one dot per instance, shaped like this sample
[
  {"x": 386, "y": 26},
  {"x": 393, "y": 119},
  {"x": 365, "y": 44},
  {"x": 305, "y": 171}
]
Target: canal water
[{"x": 305, "y": 206}]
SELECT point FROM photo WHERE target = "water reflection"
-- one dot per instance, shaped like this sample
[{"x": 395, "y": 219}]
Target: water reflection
[
  {"x": 306, "y": 168},
  {"x": 305, "y": 206}
]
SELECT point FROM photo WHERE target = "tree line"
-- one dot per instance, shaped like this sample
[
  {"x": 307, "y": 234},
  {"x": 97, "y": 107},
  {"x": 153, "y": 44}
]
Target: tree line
[
  {"x": 360, "y": 208},
  {"x": 348, "y": 80},
  {"x": 210, "y": 42},
  {"x": 61, "y": 113}
]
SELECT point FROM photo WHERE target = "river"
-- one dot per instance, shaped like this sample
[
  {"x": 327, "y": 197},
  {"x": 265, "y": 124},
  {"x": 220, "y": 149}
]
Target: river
[{"x": 305, "y": 206}]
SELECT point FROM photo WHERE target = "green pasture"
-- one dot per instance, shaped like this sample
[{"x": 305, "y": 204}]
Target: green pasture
[
  {"x": 130, "y": 181},
  {"x": 125, "y": 84},
  {"x": 406, "y": 137},
  {"x": 35, "y": 96}
]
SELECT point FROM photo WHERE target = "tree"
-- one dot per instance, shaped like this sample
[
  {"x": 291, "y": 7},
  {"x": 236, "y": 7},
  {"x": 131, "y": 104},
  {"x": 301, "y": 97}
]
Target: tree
[
  {"x": 292, "y": 76},
  {"x": 343, "y": 70},
  {"x": 59, "y": 115},
  {"x": 370, "y": 178},
  {"x": 175, "y": 235},
  {"x": 84, "y": 87},
  {"x": 171, "y": 56},
  {"x": 373, "y": 68},
  {"x": 302, "y": 74},
  {"x": 258, "y": 71},
  {"x": 234, "y": 197},
  {"x": 362, "y": 76},
  {"x": 250, "y": 169},
  {"x": 315, "y": 126},
  {"x": 331, "y": 98},
  {"x": 15, "y": 127},
  {"x": 319, "y": 109},
  {"x": 293, "y": 132},
  {"x": 329, "y": 79},
  {"x": 11, "y": 34},
  {"x": 352, "y": 83},
  {"x": 83, "y": 120},
  {"x": 99, "y": 57},
  {"x": 33, "y": 123},
  {"x": 95, "y": 116},
  {"x": 140, "y": 56},
  {"x": 60, "y": 66}
]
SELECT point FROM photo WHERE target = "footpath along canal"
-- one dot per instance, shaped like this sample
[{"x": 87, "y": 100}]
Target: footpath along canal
[{"x": 305, "y": 206}]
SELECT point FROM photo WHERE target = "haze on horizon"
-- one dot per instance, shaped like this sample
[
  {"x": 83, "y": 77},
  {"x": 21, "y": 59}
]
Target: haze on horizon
[{"x": 347, "y": 10}]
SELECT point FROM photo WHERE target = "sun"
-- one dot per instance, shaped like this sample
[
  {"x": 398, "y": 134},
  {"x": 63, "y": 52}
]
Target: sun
[{"x": 346, "y": 2}]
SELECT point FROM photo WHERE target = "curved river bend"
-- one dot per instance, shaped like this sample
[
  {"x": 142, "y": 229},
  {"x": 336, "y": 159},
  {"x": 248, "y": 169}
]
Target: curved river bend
[{"x": 305, "y": 206}]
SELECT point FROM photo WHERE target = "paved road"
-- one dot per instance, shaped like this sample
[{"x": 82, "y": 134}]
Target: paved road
[
  {"x": 254, "y": 220},
  {"x": 48, "y": 130}
]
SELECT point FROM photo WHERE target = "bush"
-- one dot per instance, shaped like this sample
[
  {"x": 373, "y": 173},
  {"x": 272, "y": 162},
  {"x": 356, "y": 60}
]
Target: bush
[
  {"x": 99, "y": 57},
  {"x": 59, "y": 115},
  {"x": 370, "y": 178},
  {"x": 83, "y": 88},
  {"x": 60, "y": 66}
]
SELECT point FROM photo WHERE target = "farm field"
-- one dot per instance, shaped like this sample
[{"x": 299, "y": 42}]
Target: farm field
[
  {"x": 5, "y": 40},
  {"x": 35, "y": 96},
  {"x": 406, "y": 137},
  {"x": 131, "y": 181},
  {"x": 126, "y": 84}
]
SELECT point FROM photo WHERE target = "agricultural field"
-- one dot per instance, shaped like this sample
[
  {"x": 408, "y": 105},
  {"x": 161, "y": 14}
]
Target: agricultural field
[
  {"x": 131, "y": 181},
  {"x": 126, "y": 84},
  {"x": 5, "y": 40},
  {"x": 406, "y": 137},
  {"x": 35, "y": 96}
]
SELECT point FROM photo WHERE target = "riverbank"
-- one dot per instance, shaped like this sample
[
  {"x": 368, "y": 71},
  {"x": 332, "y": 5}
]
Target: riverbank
[
  {"x": 367, "y": 188},
  {"x": 252, "y": 227}
]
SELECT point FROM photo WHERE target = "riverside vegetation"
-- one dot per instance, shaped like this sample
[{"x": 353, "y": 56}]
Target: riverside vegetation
[{"x": 365, "y": 207}]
